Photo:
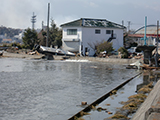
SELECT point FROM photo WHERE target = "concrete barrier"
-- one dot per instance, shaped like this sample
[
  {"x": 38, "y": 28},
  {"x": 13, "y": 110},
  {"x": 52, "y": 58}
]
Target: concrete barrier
[
  {"x": 17, "y": 55},
  {"x": 150, "y": 109},
  {"x": 20, "y": 55},
  {"x": 110, "y": 60},
  {"x": 58, "y": 57}
]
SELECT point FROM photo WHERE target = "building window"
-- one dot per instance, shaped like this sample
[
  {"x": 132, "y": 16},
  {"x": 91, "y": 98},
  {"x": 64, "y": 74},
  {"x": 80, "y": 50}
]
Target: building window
[
  {"x": 109, "y": 31},
  {"x": 97, "y": 31},
  {"x": 71, "y": 31}
]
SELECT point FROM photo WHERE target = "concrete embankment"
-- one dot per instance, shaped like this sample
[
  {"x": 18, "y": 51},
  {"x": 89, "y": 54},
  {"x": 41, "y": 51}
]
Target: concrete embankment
[
  {"x": 16, "y": 55},
  {"x": 56, "y": 57},
  {"x": 150, "y": 109},
  {"x": 27, "y": 56},
  {"x": 110, "y": 60}
]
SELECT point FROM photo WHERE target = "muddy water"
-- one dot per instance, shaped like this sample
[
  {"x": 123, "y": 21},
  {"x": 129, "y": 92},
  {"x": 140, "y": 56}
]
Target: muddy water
[{"x": 53, "y": 90}]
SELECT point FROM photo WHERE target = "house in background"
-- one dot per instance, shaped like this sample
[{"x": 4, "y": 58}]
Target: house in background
[
  {"x": 7, "y": 41},
  {"x": 81, "y": 35}
]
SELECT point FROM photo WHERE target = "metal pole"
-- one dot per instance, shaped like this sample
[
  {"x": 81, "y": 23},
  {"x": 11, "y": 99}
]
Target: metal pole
[
  {"x": 48, "y": 25},
  {"x": 122, "y": 23},
  {"x": 156, "y": 56},
  {"x": 129, "y": 23},
  {"x": 145, "y": 31},
  {"x": 157, "y": 35}
]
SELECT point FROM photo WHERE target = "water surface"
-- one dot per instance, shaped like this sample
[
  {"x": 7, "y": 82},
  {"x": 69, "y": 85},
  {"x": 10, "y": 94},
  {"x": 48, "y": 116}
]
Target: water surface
[{"x": 53, "y": 90}]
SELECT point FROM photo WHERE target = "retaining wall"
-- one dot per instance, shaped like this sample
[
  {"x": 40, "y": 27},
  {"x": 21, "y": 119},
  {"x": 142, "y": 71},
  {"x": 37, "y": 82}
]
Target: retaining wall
[
  {"x": 150, "y": 109},
  {"x": 56, "y": 57},
  {"x": 110, "y": 60}
]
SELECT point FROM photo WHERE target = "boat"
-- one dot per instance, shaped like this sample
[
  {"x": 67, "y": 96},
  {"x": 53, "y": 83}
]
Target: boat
[{"x": 52, "y": 51}]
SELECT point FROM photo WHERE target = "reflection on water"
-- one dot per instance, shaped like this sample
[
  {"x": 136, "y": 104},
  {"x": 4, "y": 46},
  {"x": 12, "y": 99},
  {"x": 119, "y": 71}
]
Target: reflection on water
[
  {"x": 149, "y": 76},
  {"x": 129, "y": 89},
  {"x": 39, "y": 89}
]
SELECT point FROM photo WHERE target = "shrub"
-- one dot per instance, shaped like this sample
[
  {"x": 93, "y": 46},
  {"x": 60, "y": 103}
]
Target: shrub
[
  {"x": 104, "y": 46},
  {"x": 124, "y": 52},
  {"x": 17, "y": 44}
]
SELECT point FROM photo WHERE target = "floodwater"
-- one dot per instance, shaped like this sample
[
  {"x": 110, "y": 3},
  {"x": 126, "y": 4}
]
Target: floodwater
[
  {"x": 53, "y": 90},
  {"x": 113, "y": 103}
]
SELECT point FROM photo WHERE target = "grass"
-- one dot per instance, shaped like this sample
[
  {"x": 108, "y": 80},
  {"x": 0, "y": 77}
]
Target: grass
[
  {"x": 118, "y": 116},
  {"x": 134, "y": 101},
  {"x": 138, "y": 96}
]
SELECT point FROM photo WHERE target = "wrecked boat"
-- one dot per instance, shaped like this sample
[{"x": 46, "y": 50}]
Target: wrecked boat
[
  {"x": 52, "y": 51},
  {"x": 1, "y": 53}
]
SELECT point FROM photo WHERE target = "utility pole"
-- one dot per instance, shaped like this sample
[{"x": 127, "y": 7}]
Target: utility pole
[
  {"x": 122, "y": 23},
  {"x": 48, "y": 25},
  {"x": 157, "y": 35},
  {"x": 145, "y": 31},
  {"x": 129, "y": 24},
  {"x": 33, "y": 20},
  {"x": 42, "y": 24},
  {"x": 156, "y": 57}
]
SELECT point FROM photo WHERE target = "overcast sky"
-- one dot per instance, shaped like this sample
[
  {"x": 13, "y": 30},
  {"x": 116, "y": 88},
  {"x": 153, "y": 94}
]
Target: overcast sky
[{"x": 17, "y": 13}]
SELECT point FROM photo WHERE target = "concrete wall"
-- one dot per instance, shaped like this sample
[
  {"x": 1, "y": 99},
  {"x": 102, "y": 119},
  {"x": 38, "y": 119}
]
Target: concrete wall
[
  {"x": 150, "y": 109},
  {"x": 108, "y": 60},
  {"x": 58, "y": 57}
]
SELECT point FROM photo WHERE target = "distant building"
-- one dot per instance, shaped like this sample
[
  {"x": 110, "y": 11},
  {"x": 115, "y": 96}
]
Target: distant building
[
  {"x": 6, "y": 40},
  {"x": 81, "y": 35},
  {"x": 151, "y": 34},
  {"x": 2, "y": 36},
  {"x": 151, "y": 31}
]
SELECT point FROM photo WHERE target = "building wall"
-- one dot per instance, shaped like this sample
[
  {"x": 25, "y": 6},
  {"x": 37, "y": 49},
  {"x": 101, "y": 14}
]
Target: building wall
[
  {"x": 87, "y": 38},
  {"x": 118, "y": 42},
  {"x": 69, "y": 37},
  {"x": 71, "y": 42}
]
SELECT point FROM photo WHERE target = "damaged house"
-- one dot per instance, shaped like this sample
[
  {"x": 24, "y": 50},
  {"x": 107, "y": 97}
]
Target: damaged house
[{"x": 80, "y": 36}]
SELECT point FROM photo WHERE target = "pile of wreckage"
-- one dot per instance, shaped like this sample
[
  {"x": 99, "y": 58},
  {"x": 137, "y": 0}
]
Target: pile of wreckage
[{"x": 148, "y": 60}]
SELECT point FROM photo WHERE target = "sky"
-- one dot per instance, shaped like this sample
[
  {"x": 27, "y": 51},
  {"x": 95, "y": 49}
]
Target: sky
[{"x": 18, "y": 13}]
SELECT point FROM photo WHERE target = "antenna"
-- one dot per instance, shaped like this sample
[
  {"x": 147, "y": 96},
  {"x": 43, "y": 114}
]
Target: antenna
[{"x": 33, "y": 20}]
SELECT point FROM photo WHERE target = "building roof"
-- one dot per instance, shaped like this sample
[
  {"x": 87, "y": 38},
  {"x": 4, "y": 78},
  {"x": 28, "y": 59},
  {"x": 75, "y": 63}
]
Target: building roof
[{"x": 87, "y": 22}]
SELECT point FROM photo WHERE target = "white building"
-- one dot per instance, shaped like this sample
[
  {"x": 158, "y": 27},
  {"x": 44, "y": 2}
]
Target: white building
[{"x": 81, "y": 35}]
